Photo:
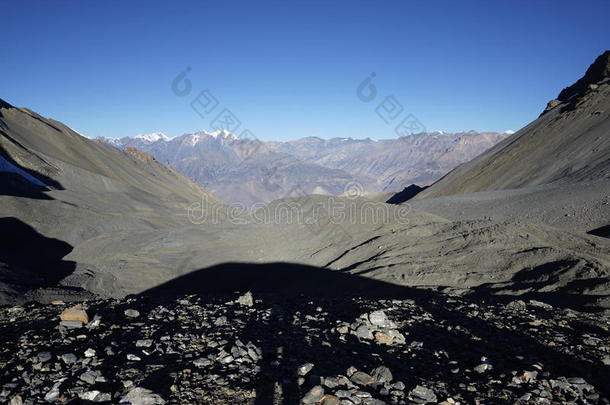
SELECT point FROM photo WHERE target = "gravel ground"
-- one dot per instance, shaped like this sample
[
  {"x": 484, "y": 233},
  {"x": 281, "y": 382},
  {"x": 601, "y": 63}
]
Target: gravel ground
[{"x": 271, "y": 349}]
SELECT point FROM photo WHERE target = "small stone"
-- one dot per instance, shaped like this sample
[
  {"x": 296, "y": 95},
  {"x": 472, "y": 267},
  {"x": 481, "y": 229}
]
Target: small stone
[
  {"x": 97, "y": 320},
  {"x": 44, "y": 357},
  {"x": 144, "y": 343},
  {"x": 330, "y": 400},
  {"x": 397, "y": 337},
  {"x": 131, "y": 313},
  {"x": 399, "y": 386},
  {"x": 69, "y": 358},
  {"x": 220, "y": 321},
  {"x": 246, "y": 300},
  {"x": 89, "y": 377},
  {"x": 379, "y": 318},
  {"x": 422, "y": 395},
  {"x": 363, "y": 332},
  {"x": 95, "y": 396},
  {"x": 202, "y": 362},
  {"x": 361, "y": 378},
  {"x": 53, "y": 393},
  {"x": 89, "y": 353},
  {"x": 141, "y": 396},
  {"x": 71, "y": 324},
  {"x": 314, "y": 395},
  {"x": 16, "y": 400},
  {"x": 75, "y": 313},
  {"x": 304, "y": 369},
  {"x": 133, "y": 357},
  {"x": 382, "y": 375},
  {"x": 529, "y": 376},
  {"x": 373, "y": 401},
  {"x": 383, "y": 338},
  {"x": 483, "y": 367}
]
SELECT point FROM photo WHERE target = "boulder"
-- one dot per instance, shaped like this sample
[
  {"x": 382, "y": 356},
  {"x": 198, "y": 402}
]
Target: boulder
[{"x": 75, "y": 313}]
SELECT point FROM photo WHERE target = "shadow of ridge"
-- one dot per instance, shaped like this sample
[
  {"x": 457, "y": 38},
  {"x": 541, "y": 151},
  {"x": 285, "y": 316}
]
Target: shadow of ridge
[
  {"x": 281, "y": 278},
  {"x": 32, "y": 259},
  {"x": 286, "y": 281}
]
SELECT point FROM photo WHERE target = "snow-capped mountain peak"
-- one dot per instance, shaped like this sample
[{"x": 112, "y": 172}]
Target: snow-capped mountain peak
[
  {"x": 223, "y": 133},
  {"x": 154, "y": 137}
]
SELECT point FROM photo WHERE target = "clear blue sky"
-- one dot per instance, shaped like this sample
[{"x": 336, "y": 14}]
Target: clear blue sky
[{"x": 290, "y": 69}]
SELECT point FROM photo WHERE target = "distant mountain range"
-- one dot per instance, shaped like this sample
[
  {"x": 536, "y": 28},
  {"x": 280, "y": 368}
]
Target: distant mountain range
[{"x": 247, "y": 171}]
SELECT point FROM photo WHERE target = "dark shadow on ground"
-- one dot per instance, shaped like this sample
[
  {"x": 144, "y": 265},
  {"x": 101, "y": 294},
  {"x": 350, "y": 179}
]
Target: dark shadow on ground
[
  {"x": 603, "y": 231},
  {"x": 529, "y": 284},
  {"x": 406, "y": 194},
  {"x": 13, "y": 184},
  {"x": 31, "y": 260},
  {"x": 288, "y": 289},
  {"x": 288, "y": 279}
]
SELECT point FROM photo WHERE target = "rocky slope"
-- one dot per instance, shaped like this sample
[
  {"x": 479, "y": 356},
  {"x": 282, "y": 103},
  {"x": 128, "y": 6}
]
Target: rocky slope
[
  {"x": 568, "y": 143},
  {"x": 60, "y": 189},
  {"x": 248, "y": 171}
]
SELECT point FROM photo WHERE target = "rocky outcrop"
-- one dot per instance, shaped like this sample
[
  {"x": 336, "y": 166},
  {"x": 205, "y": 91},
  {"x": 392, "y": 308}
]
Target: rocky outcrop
[
  {"x": 568, "y": 143},
  {"x": 597, "y": 72}
]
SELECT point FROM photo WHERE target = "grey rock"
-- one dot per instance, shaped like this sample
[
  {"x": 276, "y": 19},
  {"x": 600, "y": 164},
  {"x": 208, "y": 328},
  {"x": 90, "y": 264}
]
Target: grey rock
[
  {"x": 363, "y": 332},
  {"x": 141, "y": 396},
  {"x": 314, "y": 395},
  {"x": 483, "y": 367},
  {"x": 144, "y": 343},
  {"x": 202, "y": 362},
  {"x": 95, "y": 396},
  {"x": 89, "y": 377},
  {"x": 330, "y": 400},
  {"x": 380, "y": 319},
  {"x": 220, "y": 321},
  {"x": 303, "y": 369},
  {"x": 373, "y": 401},
  {"x": 422, "y": 395},
  {"x": 246, "y": 300},
  {"x": 362, "y": 378},
  {"x": 131, "y": 313},
  {"x": 16, "y": 400},
  {"x": 44, "y": 357},
  {"x": 69, "y": 358},
  {"x": 382, "y": 375},
  {"x": 71, "y": 324}
]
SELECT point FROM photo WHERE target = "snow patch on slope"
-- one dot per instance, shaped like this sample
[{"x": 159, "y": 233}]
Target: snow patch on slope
[{"x": 6, "y": 166}]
